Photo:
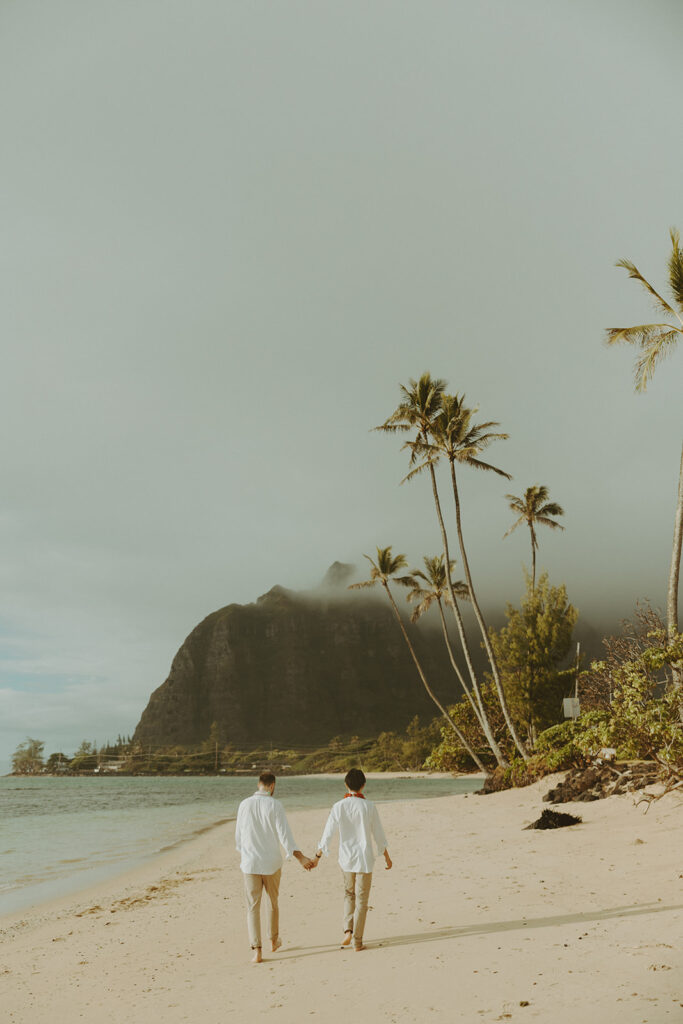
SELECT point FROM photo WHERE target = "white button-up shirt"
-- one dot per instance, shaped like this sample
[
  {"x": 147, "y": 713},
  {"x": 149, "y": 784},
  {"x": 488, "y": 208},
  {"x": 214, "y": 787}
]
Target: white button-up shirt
[
  {"x": 357, "y": 821},
  {"x": 260, "y": 830}
]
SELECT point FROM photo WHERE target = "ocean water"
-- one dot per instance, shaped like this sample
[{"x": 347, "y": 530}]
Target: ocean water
[{"x": 60, "y": 835}]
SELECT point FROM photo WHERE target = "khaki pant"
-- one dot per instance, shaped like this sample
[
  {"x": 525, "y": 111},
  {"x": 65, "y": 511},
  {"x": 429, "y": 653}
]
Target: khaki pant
[
  {"x": 253, "y": 889},
  {"x": 356, "y": 894}
]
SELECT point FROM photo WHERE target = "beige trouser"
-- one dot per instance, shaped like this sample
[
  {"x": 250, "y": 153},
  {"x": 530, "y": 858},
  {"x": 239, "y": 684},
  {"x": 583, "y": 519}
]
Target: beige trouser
[
  {"x": 253, "y": 889},
  {"x": 356, "y": 894}
]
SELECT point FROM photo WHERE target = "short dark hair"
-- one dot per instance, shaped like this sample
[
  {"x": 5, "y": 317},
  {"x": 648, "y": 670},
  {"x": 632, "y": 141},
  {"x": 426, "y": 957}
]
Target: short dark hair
[
  {"x": 266, "y": 778},
  {"x": 355, "y": 780}
]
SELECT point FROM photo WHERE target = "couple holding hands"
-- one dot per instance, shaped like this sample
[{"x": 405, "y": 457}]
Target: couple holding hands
[{"x": 261, "y": 829}]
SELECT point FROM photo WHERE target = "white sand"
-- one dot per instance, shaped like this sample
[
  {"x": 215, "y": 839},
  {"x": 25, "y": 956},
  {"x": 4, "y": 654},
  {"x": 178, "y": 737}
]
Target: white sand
[{"x": 476, "y": 918}]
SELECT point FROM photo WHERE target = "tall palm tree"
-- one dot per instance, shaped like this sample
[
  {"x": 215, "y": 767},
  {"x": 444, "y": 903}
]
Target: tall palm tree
[
  {"x": 381, "y": 571},
  {"x": 453, "y": 434},
  {"x": 420, "y": 404},
  {"x": 430, "y": 587},
  {"x": 656, "y": 341},
  {"x": 532, "y": 509}
]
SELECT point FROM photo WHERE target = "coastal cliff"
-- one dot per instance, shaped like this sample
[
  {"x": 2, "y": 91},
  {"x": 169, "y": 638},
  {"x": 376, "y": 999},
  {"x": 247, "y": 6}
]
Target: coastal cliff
[{"x": 296, "y": 669}]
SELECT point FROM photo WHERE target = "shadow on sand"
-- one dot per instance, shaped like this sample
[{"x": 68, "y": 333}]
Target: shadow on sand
[{"x": 492, "y": 928}]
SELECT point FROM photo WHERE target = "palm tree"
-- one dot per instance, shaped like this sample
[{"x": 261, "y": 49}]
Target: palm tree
[
  {"x": 386, "y": 567},
  {"x": 656, "y": 341},
  {"x": 534, "y": 508},
  {"x": 453, "y": 435},
  {"x": 421, "y": 403},
  {"x": 429, "y": 587}
]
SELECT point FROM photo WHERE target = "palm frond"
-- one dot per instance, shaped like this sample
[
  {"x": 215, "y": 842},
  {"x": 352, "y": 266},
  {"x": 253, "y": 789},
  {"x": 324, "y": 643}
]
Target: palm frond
[
  {"x": 421, "y": 449},
  {"x": 391, "y": 428},
  {"x": 551, "y": 509},
  {"x": 474, "y": 440},
  {"x": 422, "y": 607},
  {"x": 417, "y": 470},
  {"x": 522, "y": 519},
  {"x": 653, "y": 354},
  {"x": 640, "y": 334},
  {"x": 550, "y": 522},
  {"x": 516, "y": 504},
  {"x": 391, "y": 562},
  {"x": 659, "y": 302},
  {"x": 676, "y": 269},
  {"x": 478, "y": 464},
  {"x": 415, "y": 594},
  {"x": 417, "y": 574}
]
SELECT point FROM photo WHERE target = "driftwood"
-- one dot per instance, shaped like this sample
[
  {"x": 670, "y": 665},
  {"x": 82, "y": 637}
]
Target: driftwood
[
  {"x": 602, "y": 780},
  {"x": 651, "y": 798}
]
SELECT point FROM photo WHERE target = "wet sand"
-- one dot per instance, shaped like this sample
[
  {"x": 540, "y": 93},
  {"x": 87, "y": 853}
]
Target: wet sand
[{"x": 478, "y": 921}]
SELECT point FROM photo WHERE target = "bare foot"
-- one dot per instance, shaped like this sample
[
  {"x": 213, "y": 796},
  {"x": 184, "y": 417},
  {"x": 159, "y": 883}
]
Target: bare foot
[
  {"x": 346, "y": 941},
  {"x": 359, "y": 949},
  {"x": 257, "y": 958},
  {"x": 275, "y": 944}
]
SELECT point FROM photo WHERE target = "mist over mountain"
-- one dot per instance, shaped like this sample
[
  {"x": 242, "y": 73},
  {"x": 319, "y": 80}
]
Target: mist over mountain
[
  {"x": 296, "y": 668},
  {"x": 299, "y": 668}
]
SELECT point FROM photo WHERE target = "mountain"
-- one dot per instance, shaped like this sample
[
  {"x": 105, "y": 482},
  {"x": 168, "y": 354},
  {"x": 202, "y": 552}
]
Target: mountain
[{"x": 297, "y": 669}]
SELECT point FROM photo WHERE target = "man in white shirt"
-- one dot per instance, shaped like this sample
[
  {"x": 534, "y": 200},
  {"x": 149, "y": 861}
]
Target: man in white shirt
[
  {"x": 261, "y": 829},
  {"x": 357, "y": 821}
]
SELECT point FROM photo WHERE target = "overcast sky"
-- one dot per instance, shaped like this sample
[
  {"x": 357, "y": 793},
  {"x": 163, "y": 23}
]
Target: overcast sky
[{"x": 229, "y": 230}]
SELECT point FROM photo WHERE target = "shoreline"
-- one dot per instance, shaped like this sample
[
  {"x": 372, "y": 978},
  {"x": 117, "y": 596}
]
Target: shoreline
[
  {"x": 22, "y": 901},
  {"x": 478, "y": 920}
]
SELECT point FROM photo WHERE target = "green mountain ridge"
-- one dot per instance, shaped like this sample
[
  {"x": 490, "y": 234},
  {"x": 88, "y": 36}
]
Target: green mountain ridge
[{"x": 296, "y": 669}]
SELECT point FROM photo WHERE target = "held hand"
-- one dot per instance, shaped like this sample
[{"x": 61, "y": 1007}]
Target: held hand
[
  {"x": 307, "y": 864},
  {"x": 388, "y": 861}
]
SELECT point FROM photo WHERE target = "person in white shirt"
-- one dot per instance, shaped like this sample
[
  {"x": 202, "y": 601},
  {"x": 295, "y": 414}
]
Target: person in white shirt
[
  {"x": 260, "y": 830},
  {"x": 357, "y": 821}
]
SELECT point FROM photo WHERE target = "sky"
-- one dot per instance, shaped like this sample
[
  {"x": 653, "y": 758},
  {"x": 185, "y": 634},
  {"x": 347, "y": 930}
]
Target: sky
[{"x": 231, "y": 230}]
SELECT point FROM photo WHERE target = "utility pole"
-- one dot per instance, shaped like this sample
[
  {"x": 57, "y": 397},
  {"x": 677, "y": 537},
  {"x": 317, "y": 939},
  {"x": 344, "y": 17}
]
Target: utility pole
[{"x": 578, "y": 655}]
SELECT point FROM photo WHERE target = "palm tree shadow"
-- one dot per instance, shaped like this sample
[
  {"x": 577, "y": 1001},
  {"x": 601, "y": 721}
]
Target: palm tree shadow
[{"x": 495, "y": 927}]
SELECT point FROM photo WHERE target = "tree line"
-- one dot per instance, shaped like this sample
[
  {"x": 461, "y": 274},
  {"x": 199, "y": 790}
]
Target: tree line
[
  {"x": 509, "y": 719},
  {"x": 399, "y": 751},
  {"x": 501, "y": 718}
]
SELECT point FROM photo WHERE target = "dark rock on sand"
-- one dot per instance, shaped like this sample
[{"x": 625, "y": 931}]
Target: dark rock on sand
[{"x": 554, "y": 819}]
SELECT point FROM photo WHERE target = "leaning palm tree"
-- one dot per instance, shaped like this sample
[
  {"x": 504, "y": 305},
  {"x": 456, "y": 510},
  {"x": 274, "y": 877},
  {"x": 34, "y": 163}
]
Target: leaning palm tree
[
  {"x": 534, "y": 508},
  {"x": 381, "y": 571},
  {"x": 453, "y": 434},
  {"x": 430, "y": 587},
  {"x": 656, "y": 341},
  {"x": 420, "y": 404}
]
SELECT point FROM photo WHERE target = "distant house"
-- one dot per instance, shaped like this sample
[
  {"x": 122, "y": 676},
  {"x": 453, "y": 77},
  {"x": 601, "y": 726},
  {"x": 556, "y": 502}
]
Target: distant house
[{"x": 110, "y": 766}]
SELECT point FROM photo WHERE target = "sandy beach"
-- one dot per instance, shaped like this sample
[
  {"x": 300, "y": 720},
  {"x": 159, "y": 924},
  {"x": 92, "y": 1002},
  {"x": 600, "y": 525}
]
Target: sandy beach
[{"x": 478, "y": 921}]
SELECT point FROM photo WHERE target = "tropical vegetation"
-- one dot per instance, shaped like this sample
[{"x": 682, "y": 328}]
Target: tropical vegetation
[
  {"x": 506, "y": 721},
  {"x": 534, "y": 509},
  {"x": 656, "y": 341}
]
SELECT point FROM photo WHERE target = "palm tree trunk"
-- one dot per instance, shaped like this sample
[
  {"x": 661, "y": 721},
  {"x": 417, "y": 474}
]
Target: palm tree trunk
[
  {"x": 674, "y": 573},
  {"x": 456, "y": 668},
  {"x": 486, "y": 725},
  {"x": 482, "y": 625},
  {"x": 461, "y": 739},
  {"x": 533, "y": 564}
]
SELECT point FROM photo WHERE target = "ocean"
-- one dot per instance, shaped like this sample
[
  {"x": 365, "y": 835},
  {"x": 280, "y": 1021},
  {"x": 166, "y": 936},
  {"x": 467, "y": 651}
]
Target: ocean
[{"x": 59, "y": 835}]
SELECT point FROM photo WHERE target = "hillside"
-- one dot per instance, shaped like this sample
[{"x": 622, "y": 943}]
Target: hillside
[{"x": 295, "y": 669}]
